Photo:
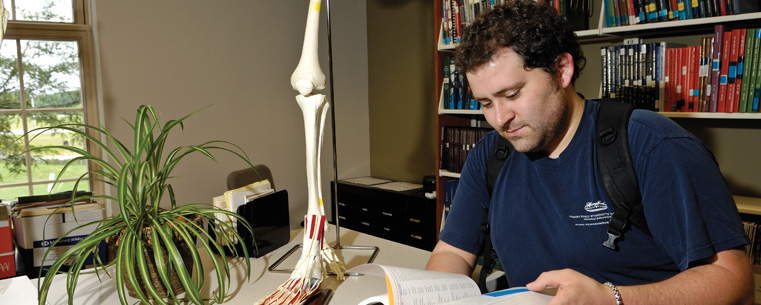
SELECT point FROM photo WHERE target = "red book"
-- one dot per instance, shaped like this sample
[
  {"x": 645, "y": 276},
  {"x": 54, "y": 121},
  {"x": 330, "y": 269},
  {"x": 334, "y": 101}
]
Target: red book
[
  {"x": 689, "y": 105},
  {"x": 683, "y": 88},
  {"x": 723, "y": 77},
  {"x": 695, "y": 87},
  {"x": 7, "y": 262},
  {"x": 740, "y": 68},
  {"x": 732, "y": 72},
  {"x": 723, "y": 7}
]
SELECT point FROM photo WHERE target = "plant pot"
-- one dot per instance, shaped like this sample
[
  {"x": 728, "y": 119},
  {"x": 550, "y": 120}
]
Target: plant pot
[{"x": 155, "y": 279}]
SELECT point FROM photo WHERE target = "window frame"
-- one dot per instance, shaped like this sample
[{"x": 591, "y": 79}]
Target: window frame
[{"x": 81, "y": 31}]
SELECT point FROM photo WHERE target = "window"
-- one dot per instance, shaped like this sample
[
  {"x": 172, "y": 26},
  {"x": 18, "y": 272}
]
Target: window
[{"x": 46, "y": 78}]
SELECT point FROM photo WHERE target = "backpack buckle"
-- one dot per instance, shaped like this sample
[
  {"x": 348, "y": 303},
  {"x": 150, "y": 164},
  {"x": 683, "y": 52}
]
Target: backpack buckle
[
  {"x": 501, "y": 152},
  {"x": 607, "y": 136},
  {"x": 611, "y": 242}
]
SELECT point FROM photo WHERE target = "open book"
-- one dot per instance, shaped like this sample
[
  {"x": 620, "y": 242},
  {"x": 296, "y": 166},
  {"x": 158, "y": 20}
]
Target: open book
[{"x": 413, "y": 286}]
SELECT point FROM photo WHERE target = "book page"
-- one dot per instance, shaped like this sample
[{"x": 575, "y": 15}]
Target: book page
[
  {"x": 422, "y": 287},
  {"x": 512, "y": 296}
]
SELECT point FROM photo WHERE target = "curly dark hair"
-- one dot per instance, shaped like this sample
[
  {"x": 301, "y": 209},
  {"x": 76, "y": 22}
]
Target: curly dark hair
[{"x": 534, "y": 31}]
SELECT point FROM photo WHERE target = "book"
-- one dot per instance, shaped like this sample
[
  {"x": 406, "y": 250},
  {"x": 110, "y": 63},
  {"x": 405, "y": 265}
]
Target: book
[
  {"x": 691, "y": 78},
  {"x": 741, "y": 40},
  {"x": 723, "y": 77},
  {"x": 610, "y": 13},
  {"x": 732, "y": 71},
  {"x": 747, "y": 73},
  {"x": 705, "y": 63},
  {"x": 754, "y": 71},
  {"x": 716, "y": 56},
  {"x": 407, "y": 286},
  {"x": 446, "y": 70}
]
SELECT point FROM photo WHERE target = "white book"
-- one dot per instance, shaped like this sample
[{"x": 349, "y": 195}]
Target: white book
[{"x": 414, "y": 286}]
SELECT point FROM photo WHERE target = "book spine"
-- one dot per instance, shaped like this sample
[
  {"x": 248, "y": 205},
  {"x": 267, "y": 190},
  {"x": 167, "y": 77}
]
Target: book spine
[
  {"x": 718, "y": 40},
  {"x": 747, "y": 63},
  {"x": 753, "y": 67},
  {"x": 705, "y": 64},
  {"x": 445, "y": 86},
  {"x": 610, "y": 15},
  {"x": 443, "y": 147},
  {"x": 688, "y": 76},
  {"x": 453, "y": 21},
  {"x": 604, "y": 83},
  {"x": 723, "y": 78},
  {"x": 695, "y": 86},
  {"x": 732, "y": 71},
  {"x": 673, "y": 9},
  {"x": 681, "y": 86},
  {"x": 757, "y": 81},
  {"x": 661, "y": 77},
  {"x": 722, "y": 7},
  {"x": 740, "y": 70}
]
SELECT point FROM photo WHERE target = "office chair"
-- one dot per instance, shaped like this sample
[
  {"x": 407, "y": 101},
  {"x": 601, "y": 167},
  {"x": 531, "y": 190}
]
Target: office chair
[{"x": 246, "y": 176}]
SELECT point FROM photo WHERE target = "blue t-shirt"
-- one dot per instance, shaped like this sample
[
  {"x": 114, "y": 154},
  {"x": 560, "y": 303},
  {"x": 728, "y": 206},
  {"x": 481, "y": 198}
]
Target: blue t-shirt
[{"x": 548, "y": 214}]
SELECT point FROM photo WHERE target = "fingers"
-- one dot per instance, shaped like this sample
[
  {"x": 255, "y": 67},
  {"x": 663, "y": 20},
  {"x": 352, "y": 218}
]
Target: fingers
[{"x": 551, "y": 279}]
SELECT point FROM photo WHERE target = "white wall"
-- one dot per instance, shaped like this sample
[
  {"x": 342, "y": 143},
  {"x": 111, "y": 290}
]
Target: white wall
[{"x": 237, "y": 56}]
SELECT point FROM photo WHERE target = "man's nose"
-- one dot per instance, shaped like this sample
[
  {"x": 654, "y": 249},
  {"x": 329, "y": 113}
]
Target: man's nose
[{"x": 503, "y": 114}]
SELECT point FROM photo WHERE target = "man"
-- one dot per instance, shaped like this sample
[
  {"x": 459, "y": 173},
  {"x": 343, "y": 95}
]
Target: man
[{"x": 521, "y": 61}]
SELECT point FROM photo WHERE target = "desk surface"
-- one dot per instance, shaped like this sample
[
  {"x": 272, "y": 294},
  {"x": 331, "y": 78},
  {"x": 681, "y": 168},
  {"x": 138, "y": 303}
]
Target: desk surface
[{"x": 263, "y": 282}]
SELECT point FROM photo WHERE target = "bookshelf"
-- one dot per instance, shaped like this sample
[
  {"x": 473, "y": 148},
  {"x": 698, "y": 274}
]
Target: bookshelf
[{"x": 666, "y": 30}]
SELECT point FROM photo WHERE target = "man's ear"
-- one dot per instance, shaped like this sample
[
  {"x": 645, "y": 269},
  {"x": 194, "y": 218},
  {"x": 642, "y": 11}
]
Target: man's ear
[{"x": 565, "y": 67}]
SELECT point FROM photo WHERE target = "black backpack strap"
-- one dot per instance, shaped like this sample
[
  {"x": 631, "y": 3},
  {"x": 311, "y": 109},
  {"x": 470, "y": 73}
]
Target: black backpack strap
[
  {"x": 488, "y": 261},
  {"x": 494, "y": 164},
  {"x": 617, "y": 171}
]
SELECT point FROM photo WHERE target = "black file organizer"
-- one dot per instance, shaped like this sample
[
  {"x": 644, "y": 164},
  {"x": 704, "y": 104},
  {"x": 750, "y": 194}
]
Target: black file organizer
[{"x": 268, "y": 216}]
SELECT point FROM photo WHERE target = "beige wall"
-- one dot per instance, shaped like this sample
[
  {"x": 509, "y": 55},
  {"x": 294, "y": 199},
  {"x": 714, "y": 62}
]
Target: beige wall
[
  {"x": 237, "y": 56},
  {"x": 401, "y": 45}
]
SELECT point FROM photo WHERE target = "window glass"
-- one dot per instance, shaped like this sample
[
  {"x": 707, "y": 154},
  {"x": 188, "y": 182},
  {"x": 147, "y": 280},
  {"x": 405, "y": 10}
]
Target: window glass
[
  {"x": 48, "y": 160},
  {"x": 43, "y": 64},
  {"x": 44, "y": 10},
  {"x": 9, "y": 77},
  {"x": 51, "y": 74}
]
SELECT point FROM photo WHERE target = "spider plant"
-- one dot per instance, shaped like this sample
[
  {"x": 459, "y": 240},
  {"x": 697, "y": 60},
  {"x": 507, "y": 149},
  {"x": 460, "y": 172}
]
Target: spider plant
[{"x": 141, "y": 179}]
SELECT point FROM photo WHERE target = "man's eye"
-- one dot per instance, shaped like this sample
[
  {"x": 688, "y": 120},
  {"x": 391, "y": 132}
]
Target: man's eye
[
  {"x": 513, "y": 94},
  {"x": 485, "y": 104}
]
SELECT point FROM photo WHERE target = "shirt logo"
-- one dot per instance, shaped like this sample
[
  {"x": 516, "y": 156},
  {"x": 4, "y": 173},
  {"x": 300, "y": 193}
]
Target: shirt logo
[{"x": 592, "y": 207}]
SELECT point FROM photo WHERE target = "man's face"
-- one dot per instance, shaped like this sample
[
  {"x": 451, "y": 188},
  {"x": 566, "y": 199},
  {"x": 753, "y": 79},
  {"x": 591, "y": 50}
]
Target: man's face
[{"x": 527, "y": 107}]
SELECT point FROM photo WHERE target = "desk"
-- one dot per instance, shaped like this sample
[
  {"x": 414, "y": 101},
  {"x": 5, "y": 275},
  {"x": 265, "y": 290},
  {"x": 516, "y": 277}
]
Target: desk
[{"x": 262, "y": 282}]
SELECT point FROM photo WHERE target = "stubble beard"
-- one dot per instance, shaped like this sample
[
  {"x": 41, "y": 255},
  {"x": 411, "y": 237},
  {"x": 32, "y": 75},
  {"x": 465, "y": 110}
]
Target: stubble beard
[{"x": 546, "y": 134}]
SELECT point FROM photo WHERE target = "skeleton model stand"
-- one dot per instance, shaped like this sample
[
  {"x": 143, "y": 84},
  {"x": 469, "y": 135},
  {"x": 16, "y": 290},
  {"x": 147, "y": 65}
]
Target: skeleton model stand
[{"x": 316, "y": 255}]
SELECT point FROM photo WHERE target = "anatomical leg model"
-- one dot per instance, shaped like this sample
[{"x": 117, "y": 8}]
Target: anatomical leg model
[{"x": 316, "y": 255}]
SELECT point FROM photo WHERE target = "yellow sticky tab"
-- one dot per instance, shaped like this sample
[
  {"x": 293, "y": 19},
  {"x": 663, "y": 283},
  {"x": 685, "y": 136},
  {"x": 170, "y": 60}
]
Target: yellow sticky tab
[
  {"x": 317, "y": 6},
  {"x": 390, "y": 291},
  {"x": 320, "y": 202}
]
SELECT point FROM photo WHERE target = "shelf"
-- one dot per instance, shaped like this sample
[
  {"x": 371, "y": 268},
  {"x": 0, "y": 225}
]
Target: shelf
[
  {"x": 445, "y": 173},
  {"x": 691, "y": 25},
  {"x": 455, "y": 111},
  {"x": 713, "y": 115},
  {"x": 748, "y": 205}
]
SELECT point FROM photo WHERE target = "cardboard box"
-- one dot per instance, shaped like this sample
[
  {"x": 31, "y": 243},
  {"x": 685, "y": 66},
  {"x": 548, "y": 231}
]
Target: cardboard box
[
  {"x": 7, "y": 255},
  {"x": 35, "y": 234}
]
